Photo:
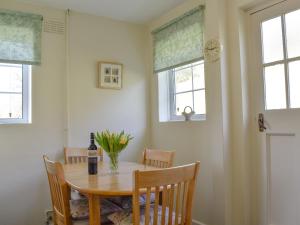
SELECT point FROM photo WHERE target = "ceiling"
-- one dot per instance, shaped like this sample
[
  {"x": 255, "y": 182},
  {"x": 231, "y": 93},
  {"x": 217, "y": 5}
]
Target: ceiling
[{"x": 135, "y": 11}]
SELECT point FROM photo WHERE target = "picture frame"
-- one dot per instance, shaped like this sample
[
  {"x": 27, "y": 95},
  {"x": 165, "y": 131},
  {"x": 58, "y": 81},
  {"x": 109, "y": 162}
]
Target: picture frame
[{"x": 110, "y": 75}]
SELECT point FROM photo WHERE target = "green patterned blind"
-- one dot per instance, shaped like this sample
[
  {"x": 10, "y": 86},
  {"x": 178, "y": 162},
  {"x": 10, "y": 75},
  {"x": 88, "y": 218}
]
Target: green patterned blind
[
  {"x": 20, "y": 37},
  {"x": 180, "y": 41}
]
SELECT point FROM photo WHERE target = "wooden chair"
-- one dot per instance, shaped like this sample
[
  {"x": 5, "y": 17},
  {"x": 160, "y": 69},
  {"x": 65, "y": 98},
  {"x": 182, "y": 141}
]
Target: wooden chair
[
  {"x": 158, "y": 158},
  {"x": 60, "y": 192},
  {"x": 78, "y": 155},
  {"x": 177, "y": 185}
]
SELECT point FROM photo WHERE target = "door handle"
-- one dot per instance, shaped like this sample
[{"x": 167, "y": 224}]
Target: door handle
[{"x": 261, "y": 122}]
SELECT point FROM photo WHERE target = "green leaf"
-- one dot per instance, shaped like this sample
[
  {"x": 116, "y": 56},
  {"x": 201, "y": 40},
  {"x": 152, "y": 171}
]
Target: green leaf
[{"x": 110, "y": 142}]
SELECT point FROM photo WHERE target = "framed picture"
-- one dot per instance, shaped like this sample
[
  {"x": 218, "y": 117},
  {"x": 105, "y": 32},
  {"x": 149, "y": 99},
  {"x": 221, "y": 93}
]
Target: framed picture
[{"x": 110, "y": 75}]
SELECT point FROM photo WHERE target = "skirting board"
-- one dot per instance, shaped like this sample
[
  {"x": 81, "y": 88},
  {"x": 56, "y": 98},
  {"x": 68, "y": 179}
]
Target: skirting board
[{"x": 196, "y": 222}]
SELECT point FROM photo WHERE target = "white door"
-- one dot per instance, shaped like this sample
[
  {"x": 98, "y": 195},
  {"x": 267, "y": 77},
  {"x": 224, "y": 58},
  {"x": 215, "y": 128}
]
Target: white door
[{"x": 274, "y": 77}]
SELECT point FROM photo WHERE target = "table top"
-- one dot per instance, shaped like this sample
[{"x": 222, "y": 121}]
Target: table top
[{"x": 104, "y": 183}]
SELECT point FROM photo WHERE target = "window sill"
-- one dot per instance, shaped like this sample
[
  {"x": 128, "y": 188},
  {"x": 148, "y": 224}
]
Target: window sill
[
  {"x": 14, "y": 122},
  {"x": 198, "y": 118}
]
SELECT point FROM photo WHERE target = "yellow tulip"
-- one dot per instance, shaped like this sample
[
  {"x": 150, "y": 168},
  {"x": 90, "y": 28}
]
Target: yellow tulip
[
  {"x": 106, "y": 133},
  {"x": 123, "y": 140}
]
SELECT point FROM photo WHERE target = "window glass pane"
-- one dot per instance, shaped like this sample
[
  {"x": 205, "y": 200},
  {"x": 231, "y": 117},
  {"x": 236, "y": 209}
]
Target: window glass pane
[
  {"x": 183, "y": 100},
  {"x": 10, "y": 106},
  {"x": 198, "y": 72},
  {"x": 183, "y": 80},
  {"x": 272, "y": 40},
  {"x": 199, "y": 101},
  {"x": 294, "y": 78},
  {"x": 10, "y": 78},
  {"x": 293, "y": 33},
  {"x": 275, "y": 87}
]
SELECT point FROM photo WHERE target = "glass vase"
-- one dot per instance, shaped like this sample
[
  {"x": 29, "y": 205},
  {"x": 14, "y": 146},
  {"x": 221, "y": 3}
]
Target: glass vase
[{"x": 113, "y": 162}]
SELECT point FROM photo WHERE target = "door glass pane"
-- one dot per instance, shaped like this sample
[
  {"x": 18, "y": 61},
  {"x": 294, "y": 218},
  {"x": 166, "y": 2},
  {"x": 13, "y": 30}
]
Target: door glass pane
[
  {"x": 183, "y": 80},
  {"x": 199, "y": 101},
  {"x": 10, "y": 78},
  {"x": 294, "y": 78},
  {"x": 272, "y": 40},
  {"x": 198, "y": 72},
  {"x": 293, "y": 33},
  {"x": 275, "y": 92},
  {"x": 10, "y": 106},
  {"x": 183, "y": 100}
]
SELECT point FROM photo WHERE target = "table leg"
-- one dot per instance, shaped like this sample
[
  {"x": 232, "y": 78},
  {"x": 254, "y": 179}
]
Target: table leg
[{"x": 94, "y": 209}]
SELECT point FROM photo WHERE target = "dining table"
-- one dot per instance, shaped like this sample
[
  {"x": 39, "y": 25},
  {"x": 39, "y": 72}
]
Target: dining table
[{"x": 104, "y": 184}]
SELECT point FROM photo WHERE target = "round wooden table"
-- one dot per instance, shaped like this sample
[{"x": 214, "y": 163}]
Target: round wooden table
[{"x": 102, "y": 184}]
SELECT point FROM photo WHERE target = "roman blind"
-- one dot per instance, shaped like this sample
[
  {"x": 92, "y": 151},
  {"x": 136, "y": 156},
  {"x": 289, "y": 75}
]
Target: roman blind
[
  {"x": 20, "y": 37},
  {"x": 180, "y": 41}
]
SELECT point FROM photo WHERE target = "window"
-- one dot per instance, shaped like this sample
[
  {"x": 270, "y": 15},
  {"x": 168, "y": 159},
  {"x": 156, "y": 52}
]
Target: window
[
  {"x": 15, "y": 88},
  {"x": 181, "y": 87},
  {"x": 187, "y": 88},
  {"x": 281, "y": 61},
  {"x": 178, "y": 63}
]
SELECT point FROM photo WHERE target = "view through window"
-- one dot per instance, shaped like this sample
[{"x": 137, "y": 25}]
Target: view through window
[
  {"x": 187, "y": 88},
  {"x": 14, "y": 93},
  {"x": 281, "y": 61}
]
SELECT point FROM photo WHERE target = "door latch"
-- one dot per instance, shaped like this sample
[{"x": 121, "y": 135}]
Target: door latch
[{"x": 261, "y": 122}]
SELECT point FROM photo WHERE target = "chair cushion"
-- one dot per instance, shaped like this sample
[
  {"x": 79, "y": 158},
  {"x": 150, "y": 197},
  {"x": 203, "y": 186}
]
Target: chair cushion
[
  {"x": 143, "y": 199},
  {"x": 86, "y": 222},
  {"x": 125, "y": 217},
  {"x": 125, "y": 202},
  {"x": 80, "y": 222},
  {"x": 80, "y": 209}
]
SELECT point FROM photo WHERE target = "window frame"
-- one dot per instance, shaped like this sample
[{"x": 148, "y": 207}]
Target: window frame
[
  {"x": 285, "y": 62},
  {"x": 26, "y": 98},
  {"x": 172, "y": 93}
]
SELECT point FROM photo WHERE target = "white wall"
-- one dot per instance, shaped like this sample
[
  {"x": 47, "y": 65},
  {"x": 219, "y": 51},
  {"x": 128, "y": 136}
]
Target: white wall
[
  {"x": 24, "y": 192},
  {"x": 244, "y": 196},
  {"x": 203, "y": 140},
  {"x": 93, "y": 39}
]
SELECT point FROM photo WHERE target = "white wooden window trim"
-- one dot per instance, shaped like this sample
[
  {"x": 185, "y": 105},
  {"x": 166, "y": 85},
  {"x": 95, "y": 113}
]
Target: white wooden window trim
[
  {"x": 172, "y": 93},
  {"x": 285, "y": 61},
  {"x": 26, "y": 99}
]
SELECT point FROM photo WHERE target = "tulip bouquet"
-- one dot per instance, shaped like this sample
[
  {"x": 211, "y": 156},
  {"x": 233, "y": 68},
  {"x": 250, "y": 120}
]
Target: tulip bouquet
[{"x": 113, "y": 144}]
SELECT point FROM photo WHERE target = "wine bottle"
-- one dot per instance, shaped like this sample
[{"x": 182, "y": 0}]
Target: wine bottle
[{"x": 92, "y": 156}]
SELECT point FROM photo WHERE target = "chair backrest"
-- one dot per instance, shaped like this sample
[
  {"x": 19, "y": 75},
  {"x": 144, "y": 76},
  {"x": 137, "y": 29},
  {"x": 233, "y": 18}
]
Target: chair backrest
[
  {"x": 177, "y": 185},
  {"x": 78, "y": 155},
  {"x": 60, "y": 192},
  {"x": 158, "y": 158}
]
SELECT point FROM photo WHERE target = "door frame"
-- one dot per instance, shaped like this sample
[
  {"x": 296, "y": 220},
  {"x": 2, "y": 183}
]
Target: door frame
[{"x": 261, "y": 160}]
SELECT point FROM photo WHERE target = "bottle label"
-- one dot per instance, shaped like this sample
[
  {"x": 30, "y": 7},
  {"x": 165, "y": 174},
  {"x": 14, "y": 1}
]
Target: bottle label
[
  {"x": 92, "y": 154},
  {"x": 92, "y": 160},
  {"x": 92, "y": 166}
]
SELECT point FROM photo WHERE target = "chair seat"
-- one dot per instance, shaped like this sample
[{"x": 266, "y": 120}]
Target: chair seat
[
  {"x": 86, "y": 222},
  {"x": 80, "y": 209},
  {"x": 125, "y": 202},
  {"x": 125, "y": 217},
  {"x": 80, "y": 222}
]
